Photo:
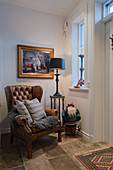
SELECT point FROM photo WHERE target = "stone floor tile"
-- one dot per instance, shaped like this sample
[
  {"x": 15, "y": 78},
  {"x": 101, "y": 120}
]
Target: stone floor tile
[
  {"x": 63, "y": 163},
  {"x": 3, "y": 166},
  {"x": 54, "y": 151},
  {"x": 38, "y": 165},
  {"x": 77, "y": 162},
  {"x": 17, "y": 168},
  {"x": 33, "y": 160},
  {"x": 47, "y": 140},
  {"x": 69, "y": 139},
  {"x": 37, "y": 151},
  {"x": 81, "y": 146},
  {"x": 50, "y": 147},
  {"x": 10, "y": 153},
  {"x": 11, "y": 159},
  {"x": 72, "y": 148}
]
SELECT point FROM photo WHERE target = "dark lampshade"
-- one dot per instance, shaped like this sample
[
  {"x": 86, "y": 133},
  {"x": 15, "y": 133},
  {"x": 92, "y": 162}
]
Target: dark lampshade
[{"x": 57, "y": 63}]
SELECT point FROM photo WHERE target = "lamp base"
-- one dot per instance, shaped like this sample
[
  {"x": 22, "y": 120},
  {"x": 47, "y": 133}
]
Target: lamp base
[{"x": 57, "y": 94}]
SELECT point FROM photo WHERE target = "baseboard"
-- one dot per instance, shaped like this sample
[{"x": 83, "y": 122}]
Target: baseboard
[
  {"x": 6, "y": 130},
  {"x": 88, "y": 136},
  {"x": 85, "y": 134}
]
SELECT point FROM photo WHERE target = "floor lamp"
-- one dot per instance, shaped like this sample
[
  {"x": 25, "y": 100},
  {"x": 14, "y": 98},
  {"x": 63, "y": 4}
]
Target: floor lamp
[{"x": 57, "y": 64}]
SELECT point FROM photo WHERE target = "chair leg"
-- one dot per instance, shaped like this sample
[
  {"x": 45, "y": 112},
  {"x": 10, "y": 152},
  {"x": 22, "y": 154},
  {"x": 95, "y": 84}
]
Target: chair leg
[
  {"x": 59, "y": 136},
  {"x": 12, "y": 138},
  {"x": 29, "y": 150}
]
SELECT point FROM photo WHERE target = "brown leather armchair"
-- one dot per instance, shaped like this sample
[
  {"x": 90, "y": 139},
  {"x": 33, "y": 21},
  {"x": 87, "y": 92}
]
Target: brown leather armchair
[{"x": 23, "y": 131}]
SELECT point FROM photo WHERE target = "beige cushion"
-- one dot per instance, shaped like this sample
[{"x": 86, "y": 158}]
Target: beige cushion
[
  {"x": 35, "y": 109},
  {"x": 23, "y": 110}
]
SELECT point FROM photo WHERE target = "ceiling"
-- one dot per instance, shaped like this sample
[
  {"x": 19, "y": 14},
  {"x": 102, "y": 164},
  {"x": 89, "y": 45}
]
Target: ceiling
[{"x": 57, "y": 7}]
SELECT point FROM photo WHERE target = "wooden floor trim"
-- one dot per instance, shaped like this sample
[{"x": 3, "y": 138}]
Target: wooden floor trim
[{"x": 108, "y": 144}]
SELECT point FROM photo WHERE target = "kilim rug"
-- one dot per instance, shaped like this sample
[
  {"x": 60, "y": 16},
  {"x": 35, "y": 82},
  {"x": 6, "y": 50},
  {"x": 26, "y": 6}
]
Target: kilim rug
[{"x": 101, "y": 159}]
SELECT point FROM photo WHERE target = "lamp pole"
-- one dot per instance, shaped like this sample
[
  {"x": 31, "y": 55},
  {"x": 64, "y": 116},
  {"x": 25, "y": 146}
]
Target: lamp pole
[{"x": 57, "y": 80}]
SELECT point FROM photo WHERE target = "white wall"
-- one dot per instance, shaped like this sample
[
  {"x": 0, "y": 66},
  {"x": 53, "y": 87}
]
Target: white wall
[
  {"x": 29, "y": 27},
  {"x": 103, "y": 92},
  {"x": 103, "y": 79},
  {"x": 0, "y": 74},
  {"x": 108, "y": 83},
  {"x": 83, "y": 100},
  {"x": 99, "y": 84}
]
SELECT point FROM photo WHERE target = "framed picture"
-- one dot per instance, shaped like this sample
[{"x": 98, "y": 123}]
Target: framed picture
[{"x": 33, "y": 62}]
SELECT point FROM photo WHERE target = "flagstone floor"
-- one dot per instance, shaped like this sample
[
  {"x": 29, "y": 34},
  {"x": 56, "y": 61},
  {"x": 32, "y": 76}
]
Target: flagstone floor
[{"x": 48, "y": 154}]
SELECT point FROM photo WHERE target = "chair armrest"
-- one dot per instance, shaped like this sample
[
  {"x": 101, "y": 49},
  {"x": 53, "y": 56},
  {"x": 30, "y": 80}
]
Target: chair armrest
[
  {"x": 51, "y": 112},
  {"x": 22, "y": 121}
]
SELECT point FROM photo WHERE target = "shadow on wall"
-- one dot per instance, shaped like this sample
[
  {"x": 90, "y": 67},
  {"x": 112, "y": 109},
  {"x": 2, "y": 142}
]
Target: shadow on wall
[
  {"x": 48, "y": 90},
  {"x": 5, "y": 126},
  {"x": 4, "y": 122},
  {"x": 68, "y": 65},
  {"x": 83, "y": 94}
]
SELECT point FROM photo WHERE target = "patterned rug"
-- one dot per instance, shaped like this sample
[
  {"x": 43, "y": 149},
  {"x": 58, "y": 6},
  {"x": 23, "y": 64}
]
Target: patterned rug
[{"x": 102, "y": 159}]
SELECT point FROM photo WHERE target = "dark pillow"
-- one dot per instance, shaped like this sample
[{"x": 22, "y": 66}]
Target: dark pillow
[{"x": 23, "y": 110}]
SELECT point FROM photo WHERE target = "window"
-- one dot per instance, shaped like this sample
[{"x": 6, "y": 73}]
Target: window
[
  {"x": 77, "y": 50},
  {"x": 81, "y": 47},
  {"x": 108, "y": 8}
]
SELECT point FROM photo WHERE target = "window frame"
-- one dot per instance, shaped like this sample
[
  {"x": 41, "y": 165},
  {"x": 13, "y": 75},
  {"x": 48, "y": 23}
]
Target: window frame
[
  {"x": 75, "y": 48},
  {"x": 75, "y": 44},
  {"x": 106, "y": 8}
]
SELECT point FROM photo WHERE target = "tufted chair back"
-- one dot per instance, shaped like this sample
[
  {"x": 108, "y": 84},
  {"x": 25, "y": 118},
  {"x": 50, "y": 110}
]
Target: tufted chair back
[{"x": 21, "y": 92}]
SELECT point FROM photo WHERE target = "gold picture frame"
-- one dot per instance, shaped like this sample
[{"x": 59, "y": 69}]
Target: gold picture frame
[{"x": 33, "y": 62}]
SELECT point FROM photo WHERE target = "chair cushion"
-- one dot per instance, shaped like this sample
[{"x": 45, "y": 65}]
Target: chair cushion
[
  {"x": 35, "y": 109},
  {"x": 23, "y": 110}
]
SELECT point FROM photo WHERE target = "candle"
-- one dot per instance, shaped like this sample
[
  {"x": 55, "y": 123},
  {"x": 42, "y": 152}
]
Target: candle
[{"x": 81, "y": 51}]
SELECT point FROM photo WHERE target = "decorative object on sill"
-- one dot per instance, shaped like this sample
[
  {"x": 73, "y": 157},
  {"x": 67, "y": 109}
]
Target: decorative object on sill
[
  {"x": 76, "y": 86},
  {"x": 57, "y": 64},
  {"x": 33, "y": 62},
  {"x": 71, "y": 117},
  {"x": 111, "y": 41},
  {"x": 81, "y": 81}
]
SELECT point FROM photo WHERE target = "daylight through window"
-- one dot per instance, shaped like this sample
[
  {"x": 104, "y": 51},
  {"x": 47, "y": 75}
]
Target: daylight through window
[
  {"x": 81, "y": 48},
  {"x": 108, "y": 8}
]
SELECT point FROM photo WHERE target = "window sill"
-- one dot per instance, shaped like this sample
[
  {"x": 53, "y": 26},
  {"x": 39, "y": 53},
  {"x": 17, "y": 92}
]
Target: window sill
[
  {"x": 79, "y": 89},
  {"x": 108, "y": 18}
]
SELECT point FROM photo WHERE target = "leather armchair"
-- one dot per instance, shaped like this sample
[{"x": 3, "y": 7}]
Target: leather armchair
[{"x": 23, "y": 131}]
